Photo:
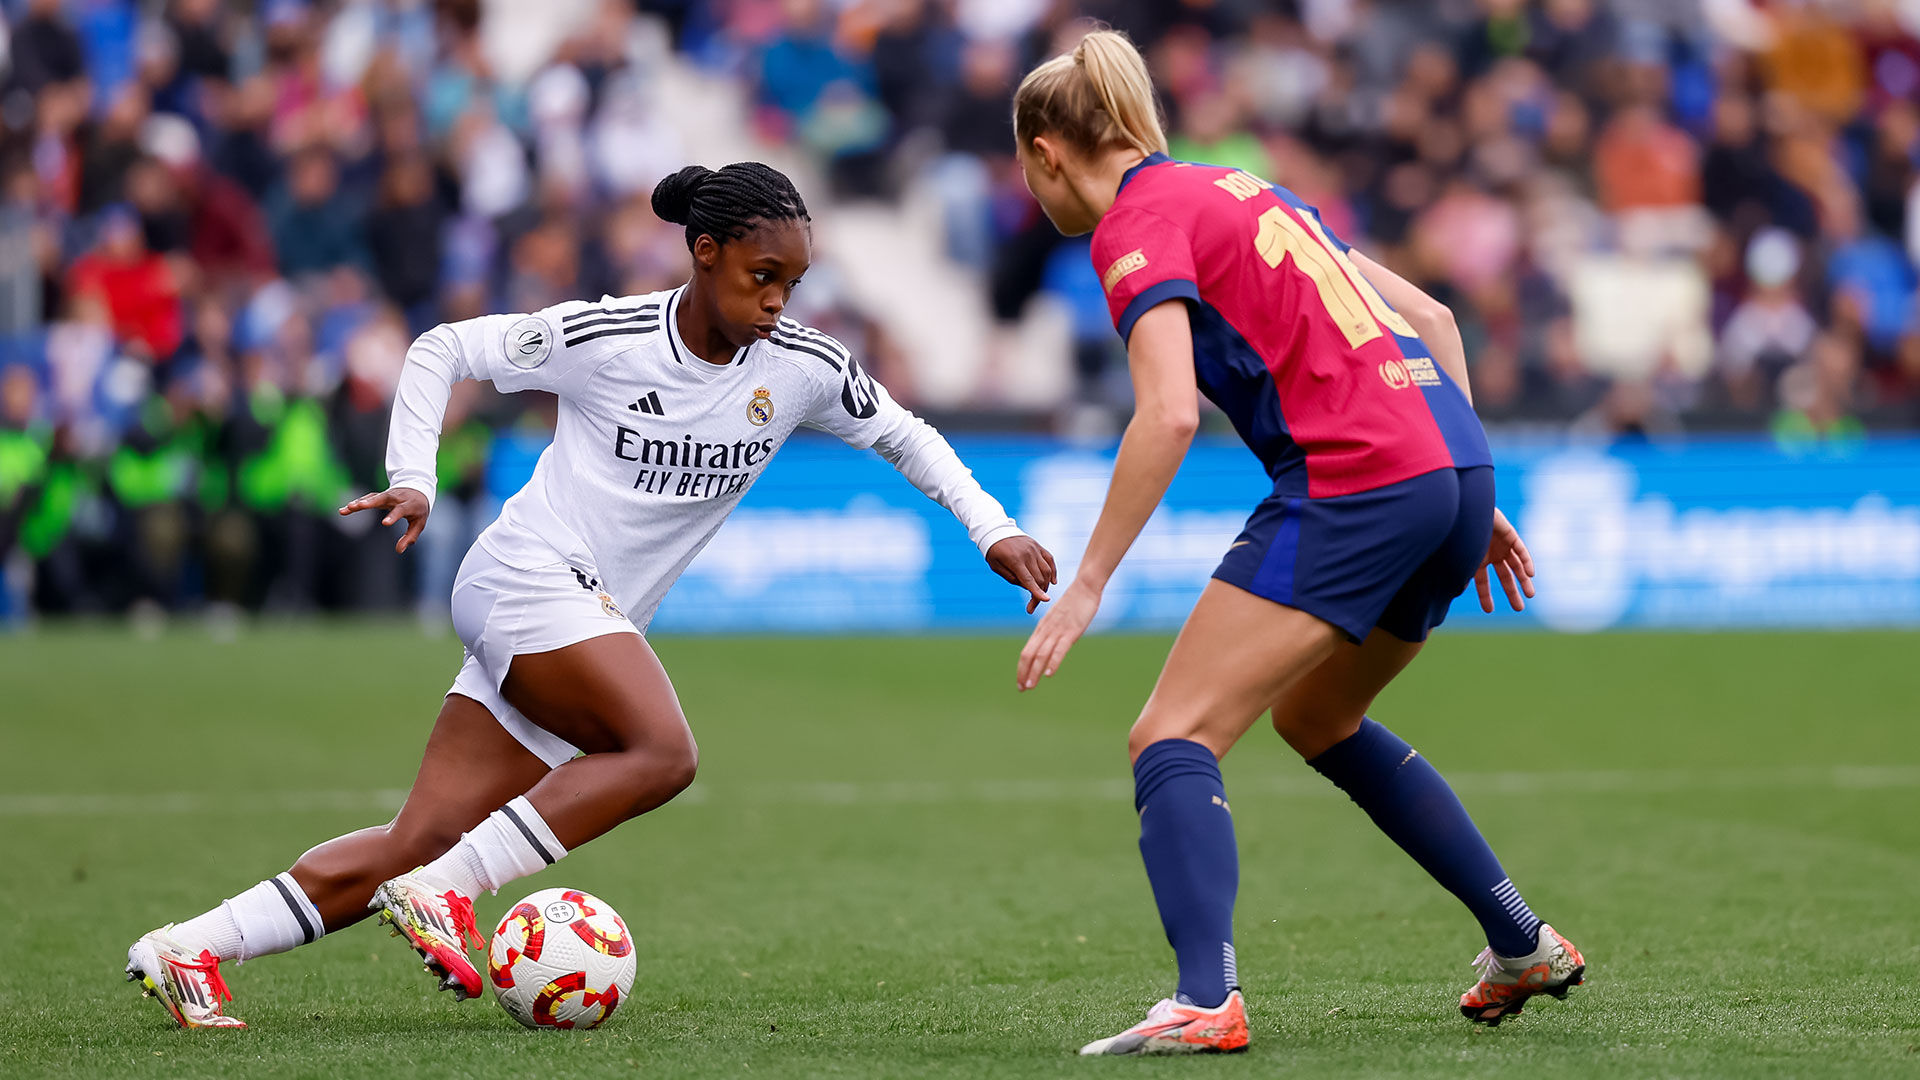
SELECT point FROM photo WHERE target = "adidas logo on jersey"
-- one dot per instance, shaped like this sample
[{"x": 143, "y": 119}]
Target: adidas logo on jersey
[{"x": 650, "y": 404}]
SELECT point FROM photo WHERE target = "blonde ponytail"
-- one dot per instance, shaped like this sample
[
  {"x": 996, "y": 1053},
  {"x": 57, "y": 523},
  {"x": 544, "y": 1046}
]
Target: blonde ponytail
[
  {"x": 1119, "y": 76},
  {"x": 1097, "y": 96}
]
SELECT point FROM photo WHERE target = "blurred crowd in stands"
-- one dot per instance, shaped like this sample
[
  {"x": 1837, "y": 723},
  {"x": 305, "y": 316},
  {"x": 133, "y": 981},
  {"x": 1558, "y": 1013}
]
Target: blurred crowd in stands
[{"x": 221, "y": 223}]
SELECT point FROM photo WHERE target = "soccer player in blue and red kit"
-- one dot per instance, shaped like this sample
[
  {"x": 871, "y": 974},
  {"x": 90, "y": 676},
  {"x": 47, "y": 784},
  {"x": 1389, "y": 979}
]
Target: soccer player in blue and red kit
[{"x": 1350, "y": 386}]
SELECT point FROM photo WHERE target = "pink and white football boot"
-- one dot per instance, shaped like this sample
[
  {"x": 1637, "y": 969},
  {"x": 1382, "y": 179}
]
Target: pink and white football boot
[
  {"x": 438, "y": 922},
  {"x": 189, "y": 986},
  {"x": 1173, "y": 1028}
]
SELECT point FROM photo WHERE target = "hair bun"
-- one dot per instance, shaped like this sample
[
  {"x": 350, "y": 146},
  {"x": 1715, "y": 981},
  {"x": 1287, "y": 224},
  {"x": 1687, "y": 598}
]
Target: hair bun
[{"x": 673, "y": 197}]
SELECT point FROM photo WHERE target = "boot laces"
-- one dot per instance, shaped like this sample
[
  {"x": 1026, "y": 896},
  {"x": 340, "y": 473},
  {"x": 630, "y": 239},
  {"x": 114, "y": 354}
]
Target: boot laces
[
  {"x": 464, "y": 923},
  {"x": 1489, "y": 964},
  {"x": 208, "y": 965}
]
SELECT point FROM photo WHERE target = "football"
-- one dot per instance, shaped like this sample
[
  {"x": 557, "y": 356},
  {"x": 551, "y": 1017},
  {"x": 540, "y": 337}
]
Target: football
[{"x": 561, "y": 959}]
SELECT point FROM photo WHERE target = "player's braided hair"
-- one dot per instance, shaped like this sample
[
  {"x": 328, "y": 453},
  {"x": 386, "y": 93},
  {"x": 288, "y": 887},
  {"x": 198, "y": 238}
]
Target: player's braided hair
[{"x": 729, "y": 203}]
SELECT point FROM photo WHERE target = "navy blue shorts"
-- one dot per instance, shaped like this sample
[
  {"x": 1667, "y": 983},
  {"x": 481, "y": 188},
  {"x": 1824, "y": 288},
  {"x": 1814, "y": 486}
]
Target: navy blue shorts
[{"x": 1394, "y": 557}]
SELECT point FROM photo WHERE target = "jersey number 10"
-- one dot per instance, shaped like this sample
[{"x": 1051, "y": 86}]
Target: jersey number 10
[{"x": 1348, "y": 296}]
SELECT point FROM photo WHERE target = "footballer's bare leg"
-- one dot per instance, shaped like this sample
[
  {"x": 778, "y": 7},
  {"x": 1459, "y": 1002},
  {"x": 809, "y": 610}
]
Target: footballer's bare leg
[
  {"x": 1327, "y": 704},
  {"x": 610, "y": 697},
  {"x": 470, "y": 768},
  {"x": 1324, "y": 718},
  {"x": 1234, "y": 655}
]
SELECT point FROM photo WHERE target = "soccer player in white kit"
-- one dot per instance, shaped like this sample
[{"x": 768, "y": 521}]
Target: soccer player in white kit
[{"x": 562, "y": 723}]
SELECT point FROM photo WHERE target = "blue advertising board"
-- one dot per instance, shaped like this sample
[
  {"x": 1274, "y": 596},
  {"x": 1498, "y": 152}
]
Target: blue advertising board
[
  {"x": 1718, "y": 534},
  {"x": 1703, "y": 534}
]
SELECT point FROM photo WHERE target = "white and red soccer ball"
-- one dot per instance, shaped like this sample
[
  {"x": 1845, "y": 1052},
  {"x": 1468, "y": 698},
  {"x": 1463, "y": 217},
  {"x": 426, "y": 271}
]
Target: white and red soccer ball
[{"x": 561, "y": 959}]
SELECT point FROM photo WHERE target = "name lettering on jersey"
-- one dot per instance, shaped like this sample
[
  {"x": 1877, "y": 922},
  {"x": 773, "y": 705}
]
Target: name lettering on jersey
[
  {"x": 528, "y": 343},
  {"x": 760, "y": 408},
  {"x": 1241, "y": 185},
  {"x": 688, "y": 468},
  {"x": 1122, "y": 266}
]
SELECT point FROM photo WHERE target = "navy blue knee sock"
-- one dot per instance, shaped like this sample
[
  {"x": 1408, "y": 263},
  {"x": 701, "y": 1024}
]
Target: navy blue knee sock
[
  {"x": 1413, "y": 805},
  {"x": 1186, "y": 840}
]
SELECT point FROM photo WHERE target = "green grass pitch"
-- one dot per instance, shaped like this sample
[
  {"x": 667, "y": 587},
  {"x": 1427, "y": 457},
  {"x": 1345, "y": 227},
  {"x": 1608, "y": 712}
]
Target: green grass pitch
[{"x": 892, "y": 865}]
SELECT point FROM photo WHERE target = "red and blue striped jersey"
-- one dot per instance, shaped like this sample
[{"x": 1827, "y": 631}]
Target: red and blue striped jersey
[{"x": 1329, "y": 386}]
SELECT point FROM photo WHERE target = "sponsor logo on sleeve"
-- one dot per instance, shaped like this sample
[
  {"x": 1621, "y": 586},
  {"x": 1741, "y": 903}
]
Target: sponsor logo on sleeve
[
  {"x": 529, "y": 342},
  {"x": 1122, "y": 266}
]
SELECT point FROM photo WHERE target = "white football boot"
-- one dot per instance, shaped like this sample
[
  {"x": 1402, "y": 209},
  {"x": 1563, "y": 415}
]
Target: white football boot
[
  {"x": 189, "y": 986},
  {"x": 438, "y": 922}
]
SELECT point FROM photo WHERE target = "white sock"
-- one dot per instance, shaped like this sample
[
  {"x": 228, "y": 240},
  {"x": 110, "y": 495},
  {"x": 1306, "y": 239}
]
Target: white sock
[
  {"x": 272, "y": 917},
  {"x": 215, "y": 932},
  {"x": 513, "y": 842}
]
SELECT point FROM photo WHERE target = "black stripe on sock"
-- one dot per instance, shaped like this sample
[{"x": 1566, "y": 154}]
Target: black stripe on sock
[
  {"x": 306, "y": 925},
  {"x": 526, "y": 832}
]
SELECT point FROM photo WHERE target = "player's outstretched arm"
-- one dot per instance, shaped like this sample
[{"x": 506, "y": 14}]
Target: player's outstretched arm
[
  {"x": 513, "y": 352},
  {"x": 1166, "y": 414},
  {"x": 434, "y": 363},
  {"x": 860, "y": 411},
  {"x": 929, "y": 462}
]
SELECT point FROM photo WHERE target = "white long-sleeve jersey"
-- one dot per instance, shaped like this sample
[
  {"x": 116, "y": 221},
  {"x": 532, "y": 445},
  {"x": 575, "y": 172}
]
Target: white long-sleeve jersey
[{"x": 655, "y": 446}]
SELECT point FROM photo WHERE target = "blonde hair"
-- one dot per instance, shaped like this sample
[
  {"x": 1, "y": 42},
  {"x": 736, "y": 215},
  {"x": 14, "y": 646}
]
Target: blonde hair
[{"x": 1097, "y": 96}]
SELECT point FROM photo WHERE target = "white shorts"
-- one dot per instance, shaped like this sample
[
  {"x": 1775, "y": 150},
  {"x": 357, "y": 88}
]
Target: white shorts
[{"x": 501, "y": 612}]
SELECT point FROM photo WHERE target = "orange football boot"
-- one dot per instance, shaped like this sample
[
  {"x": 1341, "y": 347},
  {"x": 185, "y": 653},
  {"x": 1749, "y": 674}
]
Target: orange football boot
[{"x": 1506, "y": 983}]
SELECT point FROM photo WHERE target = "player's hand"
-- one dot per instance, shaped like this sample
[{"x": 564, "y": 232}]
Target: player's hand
[
  {"x": 1059, "y": 628},
  {"x": 399, "y": 503},
  {"x": 1508, "y": 556},
  {"x": 1021, "y": 560}
]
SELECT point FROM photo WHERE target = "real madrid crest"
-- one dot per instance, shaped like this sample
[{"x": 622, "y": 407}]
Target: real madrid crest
[
  {"x": 607, "y": 605},
  {"x": 760, "y": 409}
]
